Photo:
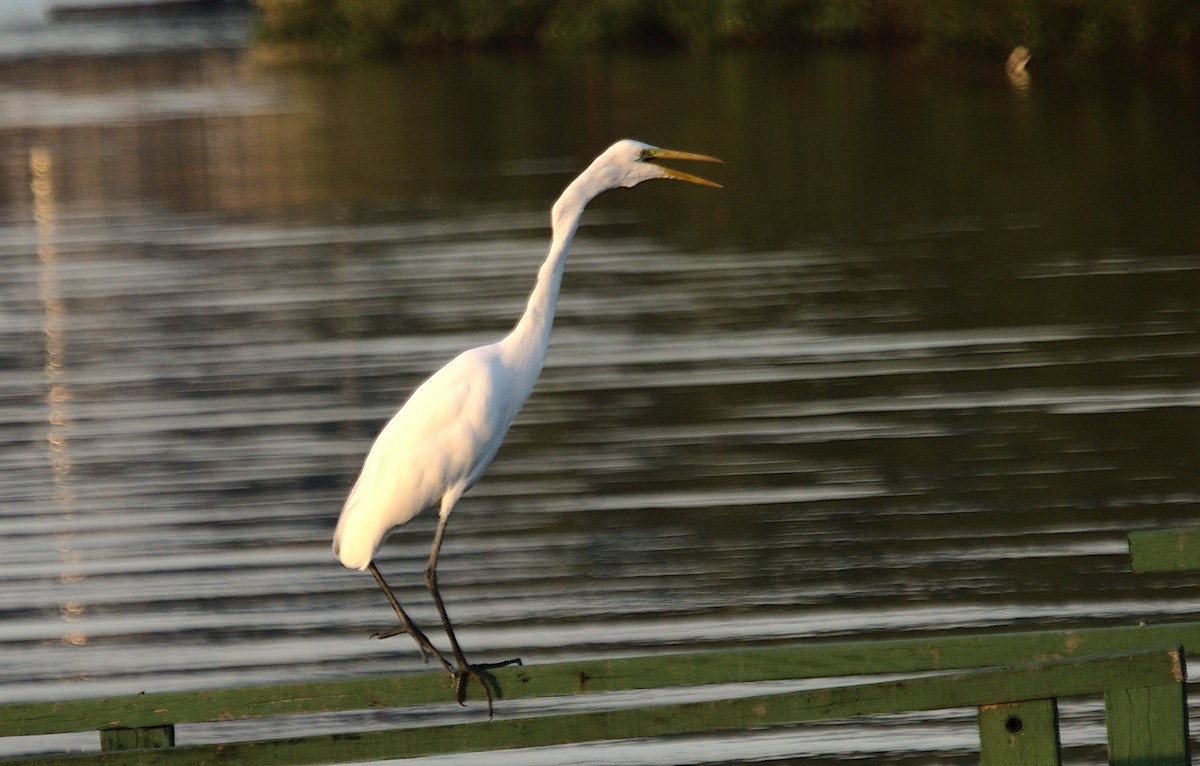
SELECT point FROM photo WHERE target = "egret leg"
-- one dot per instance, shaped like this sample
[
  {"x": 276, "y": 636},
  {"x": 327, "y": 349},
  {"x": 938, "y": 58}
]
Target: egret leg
[
  {"x": 466, "y": 670},
  {"x": 424, "y": 645}
]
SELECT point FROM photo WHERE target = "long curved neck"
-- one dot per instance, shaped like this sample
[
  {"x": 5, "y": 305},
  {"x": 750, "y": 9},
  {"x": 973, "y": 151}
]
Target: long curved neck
[{"x": 530, "y": 338}]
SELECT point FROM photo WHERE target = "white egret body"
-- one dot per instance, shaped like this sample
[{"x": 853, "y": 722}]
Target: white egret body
[{"x": 443, "y": 438}]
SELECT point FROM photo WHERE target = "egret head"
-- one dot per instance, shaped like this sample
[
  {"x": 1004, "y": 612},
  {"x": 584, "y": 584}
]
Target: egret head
[
  {"x": 628, "y": 163},
  {"x": 625, "y": 163}
]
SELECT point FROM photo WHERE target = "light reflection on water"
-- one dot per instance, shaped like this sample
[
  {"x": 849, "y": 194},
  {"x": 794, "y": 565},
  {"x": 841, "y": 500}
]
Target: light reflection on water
[{"x": 867, "y": 388}]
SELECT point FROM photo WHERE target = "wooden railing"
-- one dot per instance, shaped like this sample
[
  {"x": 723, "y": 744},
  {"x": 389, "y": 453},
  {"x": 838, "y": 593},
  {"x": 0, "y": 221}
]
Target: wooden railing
[{"x": 1013, "y": 679}]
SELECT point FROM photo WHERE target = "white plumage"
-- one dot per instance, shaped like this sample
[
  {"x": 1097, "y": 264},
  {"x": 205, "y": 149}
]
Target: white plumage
[{"x": 443, "y": 438}]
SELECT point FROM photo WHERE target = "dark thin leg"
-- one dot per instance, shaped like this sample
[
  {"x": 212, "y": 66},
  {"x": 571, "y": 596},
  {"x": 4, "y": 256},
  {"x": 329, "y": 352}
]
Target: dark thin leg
[
  {"x": 466, "y": 671},
  {"x": 425, "y": 646}
]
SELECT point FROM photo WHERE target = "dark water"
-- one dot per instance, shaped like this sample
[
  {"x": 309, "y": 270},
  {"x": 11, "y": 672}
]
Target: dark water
[{"x": 921, "y": 364}]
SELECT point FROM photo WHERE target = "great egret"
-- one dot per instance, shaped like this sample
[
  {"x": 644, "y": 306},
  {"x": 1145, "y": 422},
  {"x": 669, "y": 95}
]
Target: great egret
[{"x": 443, "y": 438}]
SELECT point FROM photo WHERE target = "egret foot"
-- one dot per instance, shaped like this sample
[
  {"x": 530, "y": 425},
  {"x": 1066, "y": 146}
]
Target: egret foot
[
  {"x": 424, "y": 645},
  {"x": 478, "y": 672}
]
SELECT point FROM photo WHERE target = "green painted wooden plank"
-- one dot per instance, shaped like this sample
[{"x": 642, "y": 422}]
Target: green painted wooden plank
[
  {"x": 1165, "y": 550},
  {"x": 805, "y": 660},
  {"x": 1148, "y": 726},
  {"x": 143, "y": 710},
  {"x": 934, "y": 692},
  {"x": 1020, "y": 734}
]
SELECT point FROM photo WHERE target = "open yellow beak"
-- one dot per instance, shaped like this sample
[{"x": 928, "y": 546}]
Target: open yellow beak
[{"x": 655, "y": 154}]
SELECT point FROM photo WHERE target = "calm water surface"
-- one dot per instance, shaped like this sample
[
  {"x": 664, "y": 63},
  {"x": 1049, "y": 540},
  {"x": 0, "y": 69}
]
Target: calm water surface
[{"x": 920, "y": 366}]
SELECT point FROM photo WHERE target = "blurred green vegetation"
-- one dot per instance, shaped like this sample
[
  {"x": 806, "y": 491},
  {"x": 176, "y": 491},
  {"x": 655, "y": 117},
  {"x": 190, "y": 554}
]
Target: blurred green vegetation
[{"x": 370, "y": 28}]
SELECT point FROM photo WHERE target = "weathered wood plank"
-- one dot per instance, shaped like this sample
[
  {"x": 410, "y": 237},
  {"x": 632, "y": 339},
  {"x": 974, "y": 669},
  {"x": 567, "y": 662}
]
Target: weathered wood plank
[
  {"x": 1165, "y": 550},
  {"x": 807, "y": 660},
  {"x": 935, "y": 692},
  {"x": 1020, "y": 734}
]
